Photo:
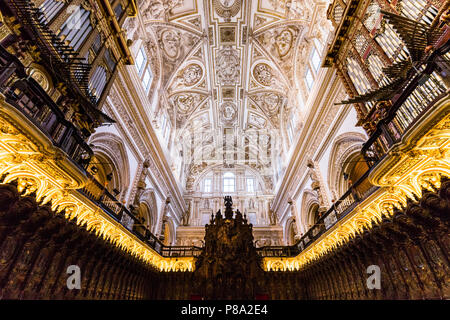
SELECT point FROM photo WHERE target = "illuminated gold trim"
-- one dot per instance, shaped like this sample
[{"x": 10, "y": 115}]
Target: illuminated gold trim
[
  {"x": 424, "y": 156},
  {"x": 28, "y": 157}
]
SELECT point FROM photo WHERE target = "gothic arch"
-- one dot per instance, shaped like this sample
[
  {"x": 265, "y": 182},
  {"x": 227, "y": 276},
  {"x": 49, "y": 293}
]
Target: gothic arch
[
  {"x": 111, "y": 154},
  {"x": 168, "y": 232},
  {"x": 290, "y": 231},
  {"x": 344, "y": 151},
  {"x": 309, "y": 203}
]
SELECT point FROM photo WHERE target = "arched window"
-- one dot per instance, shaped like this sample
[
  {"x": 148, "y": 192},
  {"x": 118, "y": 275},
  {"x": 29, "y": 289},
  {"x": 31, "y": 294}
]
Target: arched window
[
  {"x": 291, "y": 233},
  {"x": 313, "y": 215},
  {"x": 356, "y": 168},
  {"x": 144, "y": 70},
  {"x": 229, "y": 182},
  {"x": 207, "y": 185}
]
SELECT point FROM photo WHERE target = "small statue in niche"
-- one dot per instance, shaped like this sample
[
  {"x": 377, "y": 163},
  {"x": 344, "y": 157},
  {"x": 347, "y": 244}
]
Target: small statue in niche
[
  {"x": 186, "y": 216},
  {"x": 272, "y": 217}
]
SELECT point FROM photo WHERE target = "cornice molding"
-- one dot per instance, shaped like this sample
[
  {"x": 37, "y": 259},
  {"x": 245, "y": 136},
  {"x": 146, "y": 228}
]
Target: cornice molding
[{"x": 127, "y": 96}]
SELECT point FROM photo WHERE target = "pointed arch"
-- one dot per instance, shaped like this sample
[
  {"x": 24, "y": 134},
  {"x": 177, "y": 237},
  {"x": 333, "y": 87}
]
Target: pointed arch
[
  {"x": 149, "y": 208},
  {"x": 110, "y": 157},
  {"x": 309, "y": 209},
  {"x": 344, "y": 155}
]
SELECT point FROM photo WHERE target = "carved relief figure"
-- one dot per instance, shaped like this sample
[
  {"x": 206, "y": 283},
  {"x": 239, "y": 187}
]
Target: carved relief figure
[
  {"x": 227, "y": 3},
  {"x": 283, "y": 42},
  {"x": 228, "y": 66},
  {"x": 157, "y": 9},
  {"x": 170, "y": 42},
  {"x": 229, "y": 111}
]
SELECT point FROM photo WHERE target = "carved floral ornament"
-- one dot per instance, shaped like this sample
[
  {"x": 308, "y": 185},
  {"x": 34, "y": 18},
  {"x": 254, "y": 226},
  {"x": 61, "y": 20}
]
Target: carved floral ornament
[
  {"x": 257, "y": 120},
  {"x": 185, "y": 103},
  {"x": 228, "y": 66},
  {"x": 262, "y": 73},
  {"x": 192, "y": 74}
]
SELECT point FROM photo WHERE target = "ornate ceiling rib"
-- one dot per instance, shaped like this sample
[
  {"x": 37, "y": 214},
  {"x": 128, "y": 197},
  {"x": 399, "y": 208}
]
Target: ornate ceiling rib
[{"x": 227, "y": 67}]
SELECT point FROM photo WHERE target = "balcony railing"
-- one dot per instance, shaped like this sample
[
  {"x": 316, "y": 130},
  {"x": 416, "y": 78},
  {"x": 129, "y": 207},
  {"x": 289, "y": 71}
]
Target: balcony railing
[
  {"x": 337, "y": 211},
  {"x": 408, "y": 106},
  {"x": 27, "y": 96},
  {"x": 98, "y": 193},
  {"x": 181, "y": 251}
]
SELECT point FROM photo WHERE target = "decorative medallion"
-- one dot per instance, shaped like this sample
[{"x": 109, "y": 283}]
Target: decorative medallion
[
  {"x": 228, "y": 111},
  {"x": 269, "y": 102},
  {"x": 41, "y": 79},
  {"x": 228, "y": 66},
  {"x": 170, "y": 43},
  {"x": 283, "y": 42},
  {"x": 192, "y": 74},
  {"x": 262, "y": 73}
]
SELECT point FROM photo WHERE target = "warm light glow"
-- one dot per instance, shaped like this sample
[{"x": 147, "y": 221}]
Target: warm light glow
[
  {"x": 418, "y": 168},
  {"x": 39, "y": 167}
]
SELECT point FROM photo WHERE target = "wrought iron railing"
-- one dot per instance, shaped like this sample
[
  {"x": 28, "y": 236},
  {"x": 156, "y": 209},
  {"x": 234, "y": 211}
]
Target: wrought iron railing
[
  {"x": 337, "y": 211},
  {"x": 27, "y": 96},
  {"x": 100, "y": 195},
  {"x": 181, "y": 251},
  {"x": 408, "y": 106},
  {"x": 278, "y": 251}
]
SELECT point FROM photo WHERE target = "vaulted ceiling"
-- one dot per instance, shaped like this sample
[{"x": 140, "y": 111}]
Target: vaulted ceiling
[{"x": 229, "y": 75}]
